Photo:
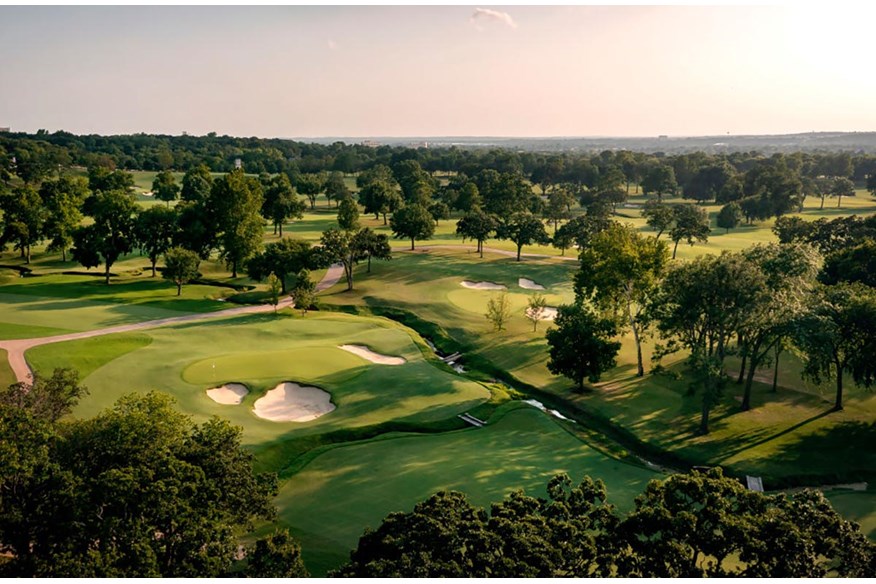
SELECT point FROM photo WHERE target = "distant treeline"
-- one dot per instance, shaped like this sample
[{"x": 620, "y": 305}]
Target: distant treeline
[{"x": 40, "y": 154}]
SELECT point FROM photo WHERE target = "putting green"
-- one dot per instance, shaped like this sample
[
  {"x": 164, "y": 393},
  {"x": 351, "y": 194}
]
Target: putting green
[
  {"x": 329, "y": 503},
  {"x": 261, "y": 351}
]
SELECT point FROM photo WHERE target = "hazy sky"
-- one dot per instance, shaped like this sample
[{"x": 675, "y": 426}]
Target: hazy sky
[{"x": 437, "y": 71}]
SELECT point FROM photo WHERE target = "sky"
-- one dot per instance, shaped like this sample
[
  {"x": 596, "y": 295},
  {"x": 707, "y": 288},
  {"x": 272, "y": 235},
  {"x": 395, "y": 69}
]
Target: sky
[{"x": 358, "y": 71}]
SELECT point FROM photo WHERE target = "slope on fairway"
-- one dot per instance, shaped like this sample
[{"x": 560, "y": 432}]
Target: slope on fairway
[
  {"x": 261, "y": 351},
  {"x": 329, "y": 503}
]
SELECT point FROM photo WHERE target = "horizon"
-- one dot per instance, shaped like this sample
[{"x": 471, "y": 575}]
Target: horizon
[{"x": 451, "y": 71}]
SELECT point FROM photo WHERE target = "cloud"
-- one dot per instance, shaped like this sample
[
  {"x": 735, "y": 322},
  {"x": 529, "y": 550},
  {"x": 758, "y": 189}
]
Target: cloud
[
  {"x": 332, "y": 45},
  {"x": 488, "y": 15}
]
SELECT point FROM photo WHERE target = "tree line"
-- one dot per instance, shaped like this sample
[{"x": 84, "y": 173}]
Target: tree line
[{"x": 755, "y": 304}]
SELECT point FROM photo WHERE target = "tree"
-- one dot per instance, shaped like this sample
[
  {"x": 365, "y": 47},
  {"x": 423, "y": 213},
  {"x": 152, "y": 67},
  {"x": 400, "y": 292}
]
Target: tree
[
  {"x": 310, "y": 185},
  {"x": 730, "y": 216},
  {"x": 621, "y": 271},
  {"x": 559, "y": 207},
  {"x": 414, "y": 222},
  {"x": 535, "y": 309},
  {"x": 523, "y": 229},
  {"x": 854, "y": 264},
  {"x": 47, "y": 399},
  {"x": 707, "y": 525},
  {"x": 478, "y": 225},
  {"x": 336, "y": 246},
  {"x": 701, "y": 305},
  {"x": 62, "y": 200},
  {"x": 348, "y": 214},
  {"x": 659, "y": 180},
  {"x": 709, "y": 183},
  {"x": 111, "y": 235},
  {"x": 180, "y": 267},
  {"x": 580, "y": 345},
  {"x": 380, "y": 197},
  {"x": 580, "y": 230},
  {"x": 369, "y": 244},
  {"x": 439, "y": 210},
  {"x": 871, "y": 183},
  {"x": 304, "y": 291},
  {"x": 164, "y": 187},
  {"x": 498, "y": 311},
  {"x": 137, "y": 491},
  {"x": 281, "y": 203},
  {"x": 197, "y": 184},
  {"x": 23, "y": 219},
  {"x": 155, "y": 229},
  {"x": 776, "y": 299},
  {"x": 103, "y": 180},
  {"x": 842, "y": 187},
  {"x": 691, "y": 224},
  {"x": 469, "y": 197},
  {"x": 416, "y": 184},
  {"x": 284, "y": 259},
  {"x": 274, "y": 290},
  {"x": 659, "y": 216},
  {"x": 837, "y": 335},
  {"x": 336, "y": 189},
  {"x": 276, "y": 556},
  {"x": 237, "y": 200}
]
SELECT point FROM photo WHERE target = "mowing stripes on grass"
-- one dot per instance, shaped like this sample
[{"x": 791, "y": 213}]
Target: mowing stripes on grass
[
  {"x": 86, "y": 355},
  {"x": 329, "y": 503}
]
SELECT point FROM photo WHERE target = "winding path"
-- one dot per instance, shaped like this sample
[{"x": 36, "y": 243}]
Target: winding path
[{"x": 16, "y": 348}]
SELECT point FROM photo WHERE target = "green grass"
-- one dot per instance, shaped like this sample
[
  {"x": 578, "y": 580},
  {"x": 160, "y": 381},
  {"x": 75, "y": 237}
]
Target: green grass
[
  {"x": 856, "y": 506},
  {"x": 260, "y": 351},
  {"x": 7, "y": 377},
  {"x": 330, "y": 502}
]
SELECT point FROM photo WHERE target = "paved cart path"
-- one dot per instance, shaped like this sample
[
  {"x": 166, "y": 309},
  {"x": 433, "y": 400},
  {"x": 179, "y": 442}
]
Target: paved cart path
[{"x": 16, "y": 348}]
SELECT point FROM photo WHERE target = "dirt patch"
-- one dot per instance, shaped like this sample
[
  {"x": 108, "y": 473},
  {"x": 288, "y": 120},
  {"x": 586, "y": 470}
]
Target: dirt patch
[
  {"x": 230, "y": 394},
  {"x": 290, "y": 402},
  {"x": 369, "y": 355},
  {"x": 482, "y": 285},
  {"x": 529, "y": 284}
]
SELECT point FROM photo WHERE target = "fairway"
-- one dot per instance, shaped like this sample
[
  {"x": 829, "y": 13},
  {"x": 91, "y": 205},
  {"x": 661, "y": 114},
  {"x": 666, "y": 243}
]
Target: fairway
[{"x": 330, "y": 502}]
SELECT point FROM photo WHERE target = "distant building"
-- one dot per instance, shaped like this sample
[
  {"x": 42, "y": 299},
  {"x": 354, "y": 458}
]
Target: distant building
[
  {"x": 419, "y": 145},
  {"x": 238, "y": 163},
  {"x": 6, "y": 129},
  {"x": 370, "y": 143}
]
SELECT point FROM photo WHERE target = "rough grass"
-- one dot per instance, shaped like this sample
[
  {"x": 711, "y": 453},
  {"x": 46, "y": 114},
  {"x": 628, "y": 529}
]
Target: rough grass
[
  {"x": 330, "y": 502},
  {"x": 7, "y": 377}
]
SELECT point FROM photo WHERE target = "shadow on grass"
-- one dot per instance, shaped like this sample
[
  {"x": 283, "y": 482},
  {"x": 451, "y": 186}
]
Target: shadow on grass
[{"x": 733, "y": 446}]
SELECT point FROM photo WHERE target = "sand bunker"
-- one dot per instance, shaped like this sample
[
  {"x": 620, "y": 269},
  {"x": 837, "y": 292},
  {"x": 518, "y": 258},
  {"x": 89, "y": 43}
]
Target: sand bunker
[
  {"x": 549, "y": 313},
  {"x": 230, "y": 394},
  {"x": 369, "y": 355},
  {"x": 482, "y": 285},
  {"x": 290, "y": 402},
  {"x": 529, "y": 284}
]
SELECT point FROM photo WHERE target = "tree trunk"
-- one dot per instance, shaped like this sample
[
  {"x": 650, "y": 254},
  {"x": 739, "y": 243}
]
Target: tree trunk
[
  {"x": 384, "y": 218},
  {"x": 154, "y": 261},
  {"x": 519, "y": 247},
  {"x": 412, "y": 244},
  {"x": 635, "y": 328},
  {"x": 838, "y": 201},
  {"x": 234, "y": 269},
  {"x": 744, "y": 359},
  {"x": 106, "y": 274},
  {"x": 838, "y": 406},
  {"x": 178, "y": 288},
  {"x": 674, "y": 249},
  {"x": 281, "y": 230},
  {"x": 481, "y": 247},
  {"x": 822, "y": 202},
  {"x": 63, "y": 254},
  {"x": 704, "y": 420},
  {"x": 27, "y": 255},
  {"x": 749, "y": 381},
  {"x": 369, "y": 264},
  {"x": 776, "y": 370}
]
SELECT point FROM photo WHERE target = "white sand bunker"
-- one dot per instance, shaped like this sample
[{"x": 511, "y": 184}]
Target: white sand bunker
[
  {"x": 230, "y": 394},
  {"x": 369, "y": 355},
  {"x": 290, "y": 402},
  {"x": 482, "y": 285},
  {"x": 529, "y": 284},
  {"x": 549, "y": 313}
]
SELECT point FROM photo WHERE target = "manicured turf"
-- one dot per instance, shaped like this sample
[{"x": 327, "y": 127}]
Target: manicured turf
[
  {"x": 87, "y": 356},
  {"x": 7, "y": 378},
  {"x": 856, "y": 506},
  {"x": 330, "y": 502},
  {"x": 261, "y": 351}
]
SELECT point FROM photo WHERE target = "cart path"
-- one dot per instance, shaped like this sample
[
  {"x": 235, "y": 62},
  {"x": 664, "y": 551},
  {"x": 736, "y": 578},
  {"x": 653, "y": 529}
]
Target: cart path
[{"x": 15, "y": 348}]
